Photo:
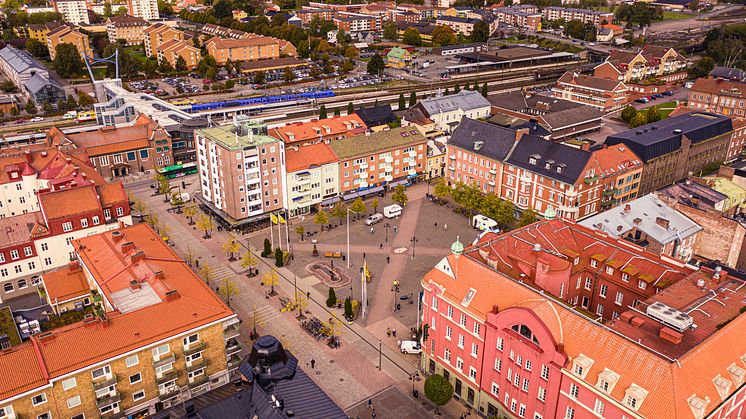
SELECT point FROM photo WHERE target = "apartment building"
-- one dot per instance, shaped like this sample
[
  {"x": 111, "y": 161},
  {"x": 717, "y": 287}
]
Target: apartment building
[
  {"x": 601, "y": 93},
  {"x": 306, "y": 14},
  {"x": 67, "y": 35},
  {"x": 129, "y": 28},
  {"x": 223, "y": 32},
  {"x": 241, "y": 170},
  {"x": 73, "y": 11},
  {"x": 173, "y": 49},
  {"x": 719, "y": 96},
  {"x": 651, "y": 224},
  {"x": 49, "y": 197},
  {"x": 447, "y": 111},
  {"x": 19, "y": 66},
  {"x": 596, "y": 17},
  {"x": 651, "y": 61},
  {"x": 356, "y": 22},
  {"x": 538, "y": 174},
  {"x": 371, "y": 161},
  {"x": 509, "y": 349},
  {"x": 312, "y": 176},
  {"x": 675, "y": 147},
  {"x": 245, "y": 49},
  {"x": 462, "y": 25},
  {"x": 319, "y": 130},
  {"x": 158, "y": 335},
  {"x": 119, "y": 151},
  {"x": 157, "y": 35},
  {"x": 39, "y": 31},
  {"x": 519, "y": 16},
  {"x": 146, "y": 9}
]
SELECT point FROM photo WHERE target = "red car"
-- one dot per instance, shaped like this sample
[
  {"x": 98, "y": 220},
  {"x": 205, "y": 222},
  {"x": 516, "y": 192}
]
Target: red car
[{"x": 206, "y": 81}]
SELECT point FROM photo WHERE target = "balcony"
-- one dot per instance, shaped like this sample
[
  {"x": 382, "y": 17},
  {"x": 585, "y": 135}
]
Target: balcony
[
  {"x": 164, "y": 361},
  {"x": 412, "y": 172},
  {"x": 169, "y": 393},
  {"x": 491, "y": 183},
  {"x": 169, "y": 376},
  {"x": 451, "y": 167},
  {"x": 202, "y": 379},
  {"x": 362, "y": 175},
  {"x": 98, "y": 385},
  {"x": 198, "y": 363},
  {"x": 388, "y": 178},
  {"x": 452, "y": 157},
  {"x": 609, "y": 192},
  {"x": 234, "y": 361},
  {"x": 412, "y": 153},
  {"x": 232, "y": 347},
  {"x": 305, "y": 180},
  {"x": 231, "y": 332},
  {"x": 388, "y": 159},
  {"x": 195, "y": 347},
  {"x": 493, "y": 171},
  {"x": 108, "y": 400},
  {"x": 363, "y": 166}
]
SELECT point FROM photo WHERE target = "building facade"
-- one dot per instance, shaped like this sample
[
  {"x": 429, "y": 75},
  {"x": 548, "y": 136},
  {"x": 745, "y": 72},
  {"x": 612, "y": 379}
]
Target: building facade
[
  {"x": 519, "y": 16},
  {"x": 245, "y": 49},
  {"x": 356, "y": 22},
  {"x": 19, "y": 66},
  {"x": 174, "y": 49},
  {"x": 661, "y": 63},
  {"x": 39, "y": 31},
  {"x": 146, "y": 9},
  {"x": 595, "y": 17},
  {"x": 241, "y": 170},
  {"x": 128, "y": 28},
  {"x": 600, "y": 93},
  {"x": 447, "y": 111},
  {"x": 719, "y": 96},
  {"x": 66, "y": 35},
  {"x": 312, "y": 176},
  {"x": 73, "y": 11},
  {"x": 157, "y": 35}
]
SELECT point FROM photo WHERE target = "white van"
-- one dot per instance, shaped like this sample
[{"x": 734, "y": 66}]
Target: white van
[
  {"x": 70, "y": 115},
  {"x": 392, "y": 211},
  {"x": 483, "y": 223},
  {"x": 410, "y": 347}
]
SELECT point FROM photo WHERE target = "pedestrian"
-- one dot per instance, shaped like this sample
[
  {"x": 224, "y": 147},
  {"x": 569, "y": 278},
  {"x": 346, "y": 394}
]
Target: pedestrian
[
  {"x": 396, "y": 229},
  {"x": 363, "y": 255},
  {"x": 303, "y": 218},
  {"x": 388, "y": 331},
  {"x": 308, "y": 295},
  {"x": 388, "y": 259},
  {"x": 370, "y": 404},
  {"x": 371, "y": 230},
  {"x": 445, "y": 226},
  {"x": 436, "y": 224},
  {"x": 373, "y": 414},
  {"x": 196, "y": 262},
  {"x": 381, "y": 246},
  {"x": 393, "y": 333},
  {"x": 313, "y": 363}
]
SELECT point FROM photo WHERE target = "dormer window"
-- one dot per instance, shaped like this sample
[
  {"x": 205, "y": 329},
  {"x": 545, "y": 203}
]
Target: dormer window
[
  {"x": 698, "y": 405},
  {"x": 607, "y": 379},
  {"x": 736, "y": 373},
  {"x": 560, "y": 168},
  {"x": 532, "y": 159},
  {"x": 722, "y": 385},
  {"x": 581, "y": 365},
  {"x": 634, "y": 396}
]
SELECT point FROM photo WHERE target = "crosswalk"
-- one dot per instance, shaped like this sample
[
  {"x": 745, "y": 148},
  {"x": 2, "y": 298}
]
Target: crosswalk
[{"x": 266, "y": 314}]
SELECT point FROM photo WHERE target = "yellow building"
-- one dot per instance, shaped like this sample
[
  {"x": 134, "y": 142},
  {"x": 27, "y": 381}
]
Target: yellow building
[
  {"x": 128, "y": 28},
  {"x": 158, "y": 34},
  {"x": 39, "y": 31},
  {"x": 239, "y": 14},
  {"x": 173, "y": 49},
  {"x": 245, "y": 49},
  {"x": 155, "y": 335},
  {"x": 66, "y": 35}
]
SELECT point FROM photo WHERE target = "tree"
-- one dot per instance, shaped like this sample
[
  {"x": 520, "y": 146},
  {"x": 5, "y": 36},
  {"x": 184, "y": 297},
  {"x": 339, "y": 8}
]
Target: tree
[
  {"x": 321, "y": 219},
  {"x": 67, "y": 62},
  {"x": 412, "y": 37},
  {"x": 288, "y": 75},
  {"x": 229, "y": 84},
  {"x": 71, "y": 102},
  {"x": 164, "y": 7},
  {"x": 441, "y": 189},
  {"x": 443, "y": 36},
  {"x": 348, "y": 308},
  {"x": 456, "y": 89},
  {"x": 375, "y": 65},
  {"x": 505, "y": 215},
  {"x": 652, "y": 114},
  {"x": 322, "y": 112},
  {"x": 107, "y": 9},
  {"x": 181, "y": 64},
  {"x": 641, "y": 14},
  {"x": 271, "y": 278},
  {"x": 438, "y": 390},
  {"x": 190, "y": 211},
  {"x": 279, "y": 258},
  {"x": 350, "y": 108},
  {"x": 230, "y": 248},
  {"x": 248, "y": 261},
  {"x": 228, "y": 289},
  {"x": 412, "y": 99},
  {"x": 331, "y": 300},
  {"x": 140, "y": 207},
  {"x": 300, "y": 231},
  {"x": 374, "y": 204},
  {"x": 205, "y": 223},
  {"x": 31, "y": 107},
  {"x": 446, "y": 92},
  {"x": 527, "y": 217},
  {"x": 480, "y": 32},
  {"x": 485, "y": 90},
  {"x": 36, "y": 48},
  {"x": 267, "y": 248},
  {"x": 400, "y": 195},
  {"x": 84, "y": 100},
  {"x": 701, "y": 68},
  {"x": 358, "y": 207},
  {"x": 628, "y": 113},
  {"x": 206, "y": 272},
  {"x": 222, "y": 9},
  {"x": 339, "y": 210},
  {"x": 164, "y": 67},
  {"x": 8, "y": 87},
  {"x": 390, "y": 31},
  {"x": 640, "y": 118},
  {"x": 402, "y": 103},
  {"x": 259, "y": 77}
]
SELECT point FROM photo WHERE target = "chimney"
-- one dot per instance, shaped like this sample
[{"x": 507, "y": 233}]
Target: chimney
[
  {"x": 46, "y": 337},
  {"x": 627, "y": 209},
  {"x": 519, "y": 133},
  {"x": 662, "y": 222},
  {"x": 27, "y": 155},
  {"x": 44, "y": 153},
  {"x": 140, "y": 255},
  {"x": 159, "y": 274},
  {"x": 172, "y": 295},
  {"x": 494, "y": 309},
  {"x": 126, "y": 247},
  {"x": 670, "y": 335},
  {"x": 585, "y": 146},
  {"x": 74, "y": 266},
  {"x": 134, "y": 285}
]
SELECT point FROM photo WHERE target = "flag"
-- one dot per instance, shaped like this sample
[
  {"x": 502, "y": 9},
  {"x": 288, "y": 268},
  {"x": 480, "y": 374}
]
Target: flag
[
  {"x": 272, "y": 218},
  {"x": 365, "y": 270},
  {"x": 282, "y": 220}
]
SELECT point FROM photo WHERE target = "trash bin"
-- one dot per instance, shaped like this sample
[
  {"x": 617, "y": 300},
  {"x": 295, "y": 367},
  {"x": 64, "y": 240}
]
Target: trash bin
[
  {"x": 344, "y": 257},
  {"x": 415, "y": 393}
]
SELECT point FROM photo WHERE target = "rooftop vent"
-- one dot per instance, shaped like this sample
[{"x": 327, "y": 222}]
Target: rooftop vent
[
  {"x": 478, "y": 145},
  {"x": 677, "y": 131},
  {"x": 669, "y": 316},
  {"x": 536, "y": 248}
]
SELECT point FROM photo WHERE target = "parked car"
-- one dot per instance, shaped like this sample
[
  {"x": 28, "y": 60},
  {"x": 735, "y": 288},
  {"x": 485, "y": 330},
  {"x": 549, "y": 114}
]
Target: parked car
[
  {"x": 410, "y": 347},
  {"x": 37, "y": 119},
  {"x": 668, "y": 93},
  {"x": 657, "y": 96},
  {"x": 374, "y": 219},
  {"x": 642, "y": 100}
]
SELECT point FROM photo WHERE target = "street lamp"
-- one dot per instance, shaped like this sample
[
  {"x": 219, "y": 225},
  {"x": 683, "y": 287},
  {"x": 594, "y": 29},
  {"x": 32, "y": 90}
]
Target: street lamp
[
  {"x": 414, "y": 241},
  {"x": 387, "y": 232}
]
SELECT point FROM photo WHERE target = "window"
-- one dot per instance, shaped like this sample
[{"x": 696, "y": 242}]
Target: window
[
  {"x": 522, "y": 410},
  {"x": 516, "y": 380},
  {"x": 625, "y": 277},
  {"x": 574, "y": 390},
  {"x": 519, "y": 361},
  {"x": 39, "y": 399},
  {"x": 449, "y": 331},
  {"x": 73, "y": 402},
  {"x": 160, "y": 351},
  {"x": 545, "y": 372},
  {"x": 68, "y": 226},
  {"x": 447, "y": 355},
  {"x": 450, "y": 312},
  {"x": 528, "y": 365},
  {"x": 44, "y": 247},
  {"x": 588, "y": 283},
  {"x": 432, "y": 323},
  {"x": 69, "y": 383},
  {"x": 498, "y": 364},
  {"x": 139, "y": 395},
  {"x": 542, "y": 394},
  {"x": 84, "y": 222},
  {"x": 164, "y": 368},
  {"x": 14, "y": 254},
  {"x": 131, "y": 361},
  {"x": 599, "y": 407},
  {"x": 500, "y": 344},
  {"x": 191, "y": 339},
  {"x": 603, "y": 291},
  {"x": 642, "y": 285},
  {"x": 131, "y": 156},
  {"x": 619, "y": 298},
  {"x": 473, "y": 373},
  {"x": 95, "y": 220},
  {"x": 435, "y": 303},
  {"x": 610, "y": 270},
  {"x": 631, "y": 401},
  {"x": 474, "y": 349},
  {"x": 100, "y": 372},
  {"x": 525, "y": 384},
  {"x": 477, "y": 328},
  {"x": 495, "y": 389},
  {"x": 135, "y": 378},
  {"x": 144, "y": 154},
  {"x": 2, "y": 257},
  {"x": 45, "y": 415},
  {"x": 120, "y": 211},
  {"x": 461, "y": 341},
  {"x": 594, "y": 264},
  {"x": 569, "y": 413},
  {"x": 459, "y": 363},
  {"x": 513, "y": 405},
  {"x": 27, "y": 251},
  {"x": 22, "y": 282},
  {"x": 463, "y": 320},
  {"x": 107, "y": 213}
]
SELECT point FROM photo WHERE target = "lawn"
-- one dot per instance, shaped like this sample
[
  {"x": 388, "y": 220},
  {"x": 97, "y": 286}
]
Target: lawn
[
  {"x": 669, "y": 15},
  {"x": 665, "y": 108},
  {"x": 8, "y": 326}
]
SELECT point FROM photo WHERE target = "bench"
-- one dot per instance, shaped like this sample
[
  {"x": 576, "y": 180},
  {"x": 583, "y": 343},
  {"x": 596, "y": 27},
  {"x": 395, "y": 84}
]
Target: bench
[{"x": 333, "y": 254}]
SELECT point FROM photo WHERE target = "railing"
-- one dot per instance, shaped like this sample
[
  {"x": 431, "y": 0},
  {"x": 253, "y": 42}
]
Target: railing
[
  {"x": 108, "y": 400},
  {"x": 195, "y": 347}
]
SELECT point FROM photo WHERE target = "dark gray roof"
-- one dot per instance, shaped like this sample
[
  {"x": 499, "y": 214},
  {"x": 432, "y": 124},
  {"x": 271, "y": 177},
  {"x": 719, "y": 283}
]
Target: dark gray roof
[
  {"x": 19, "y": 60},
  {"x": 663, "y": 137},
  {"x": 572, "y": 116},
  {"x": 496, "y": 141},
  {"x": 38, "y": 82},
  {"x": 728, "y": 73},
  {"x": 514, "y": 100},
  {"x": 376, "y": 115},
  {"x": 533, "y": 127},
  {"x": 549, "y": 157},
  {"x": 686, "y": 190},
  {"x": 458, "y": 19}
]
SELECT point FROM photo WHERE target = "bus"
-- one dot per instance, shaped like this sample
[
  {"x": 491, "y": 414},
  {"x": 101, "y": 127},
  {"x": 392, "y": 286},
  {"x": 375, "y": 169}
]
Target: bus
[
  {"x": 86, "y": 116},
  {"x": 182, "y": 102},
  {"x": 178, "y": 170}
]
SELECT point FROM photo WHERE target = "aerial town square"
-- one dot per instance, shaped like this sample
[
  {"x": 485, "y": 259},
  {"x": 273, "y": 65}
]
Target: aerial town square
[{"x": 332, "y": 209}]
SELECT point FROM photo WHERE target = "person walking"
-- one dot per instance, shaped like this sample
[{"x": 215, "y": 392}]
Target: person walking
[
  {"x": 388, "y": 331},
  {"x": 393, "y": 333},
  {"x": 436, "y": 224},
  {"x": 371, "y": 230},
  {"x": 370, "y": 404},
  {"x": 445, "y": 226},
  {"x": 313, "y": 363},
  {"x": 381, "y": 246},
  {"x": 388, "y": 259}
]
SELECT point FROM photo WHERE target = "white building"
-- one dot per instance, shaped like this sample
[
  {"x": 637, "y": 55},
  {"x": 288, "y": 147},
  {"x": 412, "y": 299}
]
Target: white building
[
  {"x": 447, "y": 111},
  {"x": 19, "y": 66},
  {"x": 312, "y": 176},
  {"x": 146, "y": 9},
  {"x": 73, "y": 11}
]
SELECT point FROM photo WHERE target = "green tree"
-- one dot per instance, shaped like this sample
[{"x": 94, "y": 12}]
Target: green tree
[
  {"x": 279, "y": 258},
  {"x": 300, "y": 231},
  {"x": 84, "y": 100},
  {"x": 71, "y": 102},
  {"x": 441, "y": 189},
  {"x": 412, "y": 99},
  {"x": 339, "y": 210},
  {"x": 288, "y": 75},
  {"x": 652, "y": 114},
  {"x": 701, "y": 67},
  {"x": 67, "y": 62},
  {"x": 47, "y": 108},
  {"x": 248, "y": 262},
  {"x": 400, "y": 195},
  {"x": 446, "y": 92},
  {"x": 375, "y": 65},
  {"x": 36, "y": 48},
  {"x": 222, "y": 9},
  {"x": 8, "y": 86},
  {"x": 205, "y": 223},
  {"x": 358, "y": 207},
  {"x": 322, "y": 112},
  {"x": 390, "y": 30},
  {"x": 107, "y": 9},
  {"x": 348, "y": 308},
  {"x": 456, "y": 88},
  {"x": 374, "y": 204},
  {"x": 412, "y": 37},
  {"x": 402, "y": 103},
  {"x": 485, "y": 91},
  {"x": 229, "y": 84},
  {"x": 438, "y": 390},
  {"x": 480, "y": 32},
  {"x": 331, "y": 300},
  {"x": 164, "y": 67},
  {"x": 31, "y": 107},
  {"x": 640, "y": 118},
  {"x": 350, "y": 108},
  {"x": 527, "y": 217},
  {"x": 443, "y": 36},
  {"x": 336, "y": 112},
  {"x": 190, "y": 211},
  {"x": 628, "y": 113},
  {"x": 230, "y": 248},
  {"x": 181, "y": 64},
  {"x": 505, "y": 215},
  {"x": 259, "y": 77},
  {"x": 164, "y": 8},
  {"x": 267, "y": 248},
  {"x": 321, "y": 219}
]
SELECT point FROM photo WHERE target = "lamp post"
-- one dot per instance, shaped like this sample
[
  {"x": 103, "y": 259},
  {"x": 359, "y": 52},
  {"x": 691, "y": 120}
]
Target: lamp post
[
  {"x": 387, "y": 232},
  {"x": 414, "y": 241}
]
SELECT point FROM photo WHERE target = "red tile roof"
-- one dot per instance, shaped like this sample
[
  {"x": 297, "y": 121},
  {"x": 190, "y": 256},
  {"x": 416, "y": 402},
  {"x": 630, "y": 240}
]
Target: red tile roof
[
  {"x": 719, "y": 86},
  {"x": 65, "y": 284},
  {"x": 110, "y": 140},
  {"x": 68, "y": 202},
  {"x": 306, "y": 156},
  {"x": 22, "y": 371},
  {"x": 312, "y": 130}
]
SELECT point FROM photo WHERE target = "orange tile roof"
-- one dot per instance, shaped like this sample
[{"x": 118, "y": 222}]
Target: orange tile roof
[
  {"x": 718, "y": 86},
  {"x": 115, "y": 140},
  {"x": 22, "y": 371},
  {"x": 610, "y": 161},
  {"x": 111, "y": 193},
  {"x": 312, "y": 130},
  {"x": 221, "y": 43},
  {"x": 67, "y": 202},
  {"x": 303, "y": 157},
  {"x": 65, "y": 284}
]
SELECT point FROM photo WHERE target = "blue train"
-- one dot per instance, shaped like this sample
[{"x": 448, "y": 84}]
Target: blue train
[{"x": 260, "y": 100}]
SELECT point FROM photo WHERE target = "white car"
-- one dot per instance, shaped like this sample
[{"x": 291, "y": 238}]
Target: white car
[
  {"x": 36, "y": 119},
  {"x": 374, "y": 219},
  {"x": 410, "y": 347}
]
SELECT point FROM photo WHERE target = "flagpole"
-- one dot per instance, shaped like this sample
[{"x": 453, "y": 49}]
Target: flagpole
[
  {"x": 363, "y": 289},
  {"x": 287, "y": 228},
  {"x": 271, "y": 235},
  {"x": 279, "y": 234}
]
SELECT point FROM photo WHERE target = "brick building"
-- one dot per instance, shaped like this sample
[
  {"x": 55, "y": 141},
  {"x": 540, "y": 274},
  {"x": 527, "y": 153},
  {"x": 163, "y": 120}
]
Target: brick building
[
  {"x": 158, "y": 335},
  {"x": 595, "y": 17},
  {"x": 128, "y": 28},
  {"x": 356, "y": 22},
  {"x": 651, "y": 62},
  {"x": 118, "y": 151},
  {"x": 157, "y": 35},
  {"x": 601, "y": 93},
  {"x": 241, "y": 171},
  {"x": 67, "y": 35},
  {"x": 719, "y": 96},
  {"x": 505, "y": 324},
  {"x": 252, "y": 48},
  {"x": 519, "y": 16},
  {"x": 675, "y": 147},
  {"x": 39, "y": 31}
]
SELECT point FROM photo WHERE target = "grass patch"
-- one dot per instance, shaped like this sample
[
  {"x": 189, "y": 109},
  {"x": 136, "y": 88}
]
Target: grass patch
[
  {"x": 665, "y": 109},
  {"x": 8, "y": 326},
  {"x": 670, "y": 15}
]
